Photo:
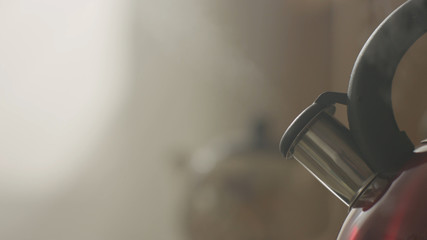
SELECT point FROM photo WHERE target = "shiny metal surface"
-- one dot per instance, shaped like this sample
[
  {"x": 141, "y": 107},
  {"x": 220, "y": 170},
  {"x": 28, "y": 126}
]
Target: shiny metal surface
[{"x": 326, "y": 149}]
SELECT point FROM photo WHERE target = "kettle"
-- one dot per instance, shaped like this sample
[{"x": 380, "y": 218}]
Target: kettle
[{"x": 371, "y": 166}]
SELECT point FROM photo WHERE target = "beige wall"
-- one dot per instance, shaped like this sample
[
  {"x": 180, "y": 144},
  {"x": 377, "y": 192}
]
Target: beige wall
[{"x": 120, "y": 90}]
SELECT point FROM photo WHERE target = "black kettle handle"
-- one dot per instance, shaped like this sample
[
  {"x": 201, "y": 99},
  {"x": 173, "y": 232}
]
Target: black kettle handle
[{"x": 370, "y": 112}]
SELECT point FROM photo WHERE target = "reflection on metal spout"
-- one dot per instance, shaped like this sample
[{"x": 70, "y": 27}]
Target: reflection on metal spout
[{"x": 326, "y": 149}]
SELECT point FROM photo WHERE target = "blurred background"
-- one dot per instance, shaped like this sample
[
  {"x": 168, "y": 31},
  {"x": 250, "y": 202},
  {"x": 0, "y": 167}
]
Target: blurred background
[{"x": 137, "y": 119}]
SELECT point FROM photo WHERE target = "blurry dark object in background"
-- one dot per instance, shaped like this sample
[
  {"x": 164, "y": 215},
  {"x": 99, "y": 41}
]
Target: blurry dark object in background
[{"x": 245, "y": 190}]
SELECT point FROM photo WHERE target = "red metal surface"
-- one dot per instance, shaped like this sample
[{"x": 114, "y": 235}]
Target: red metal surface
[{"x": 400, "y": 214}]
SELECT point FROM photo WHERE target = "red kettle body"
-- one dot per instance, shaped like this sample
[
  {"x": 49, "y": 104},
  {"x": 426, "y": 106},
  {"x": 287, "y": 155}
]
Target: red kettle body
[{"x": 400, "y": 214}]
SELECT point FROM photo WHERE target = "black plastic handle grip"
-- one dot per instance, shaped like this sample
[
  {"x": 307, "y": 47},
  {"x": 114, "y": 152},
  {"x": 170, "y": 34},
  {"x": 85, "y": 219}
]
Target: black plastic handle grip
[{"x": 370, "y": 112}]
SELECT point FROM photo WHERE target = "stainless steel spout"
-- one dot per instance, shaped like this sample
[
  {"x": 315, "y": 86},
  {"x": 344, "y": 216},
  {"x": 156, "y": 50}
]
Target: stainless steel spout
[{"x": 325, "y": 147}]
